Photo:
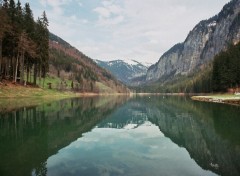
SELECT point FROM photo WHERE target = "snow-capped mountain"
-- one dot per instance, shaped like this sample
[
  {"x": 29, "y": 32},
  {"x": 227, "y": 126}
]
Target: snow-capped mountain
[{"x": 125, "y": 71}]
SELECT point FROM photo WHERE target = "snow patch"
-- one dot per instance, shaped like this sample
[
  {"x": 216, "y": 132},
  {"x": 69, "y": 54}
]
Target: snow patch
[
  {"x": 212, "y": 24},
  {"x": 130, "y": 126},
  {"x": 147, "y": 64},
  {"x": 131, "y": 62}
]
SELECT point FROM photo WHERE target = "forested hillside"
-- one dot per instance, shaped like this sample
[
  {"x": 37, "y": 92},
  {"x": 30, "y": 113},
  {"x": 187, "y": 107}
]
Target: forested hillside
[
  {"x": 68, "y": 63},
  {"x": 31, "y": 55},
  {"x": 23, "y": 43},
  {"x": 226, "y": 69}
]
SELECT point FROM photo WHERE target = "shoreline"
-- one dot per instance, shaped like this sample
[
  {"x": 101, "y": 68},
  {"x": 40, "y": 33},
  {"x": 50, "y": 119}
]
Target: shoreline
[
  {"x": 15, "y": 91},
  {"x": 216, "y": 98},
  {"x": 15, "y": 96}
]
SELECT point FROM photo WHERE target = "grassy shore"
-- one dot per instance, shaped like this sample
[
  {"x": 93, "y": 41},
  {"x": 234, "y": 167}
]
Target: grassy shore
[
  {"x": 219, "y": 98},
  {"x": 14, "y": 96},
  {"x": 10, "y": 90}
]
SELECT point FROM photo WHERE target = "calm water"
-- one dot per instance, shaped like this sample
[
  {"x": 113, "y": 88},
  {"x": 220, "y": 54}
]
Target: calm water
[{"x": 121, "y": 136}]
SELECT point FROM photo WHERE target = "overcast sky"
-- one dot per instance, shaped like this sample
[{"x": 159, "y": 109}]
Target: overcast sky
[{"x": 124, "y": 29}]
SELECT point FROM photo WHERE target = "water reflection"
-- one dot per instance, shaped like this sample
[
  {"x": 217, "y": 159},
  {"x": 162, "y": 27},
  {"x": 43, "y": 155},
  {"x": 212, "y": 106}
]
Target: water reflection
[
  {"x": 209, "y": 132},
  {"x": 108, "y": 136},
  {"x": 125, "y": 143},
  {"x": 131, "y": 115},
  {"x": 140, "y": 151},
  {"x": 29, "y": 135}
]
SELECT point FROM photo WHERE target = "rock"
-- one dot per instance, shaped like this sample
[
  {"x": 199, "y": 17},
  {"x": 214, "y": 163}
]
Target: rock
[{"x": 206, "y": 40}]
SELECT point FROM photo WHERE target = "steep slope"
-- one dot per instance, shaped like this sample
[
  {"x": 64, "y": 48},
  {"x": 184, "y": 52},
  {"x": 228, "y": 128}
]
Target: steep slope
[
  {"x": 125, "y": 71},
  {"x": 67, "y": 63},
  {"x": 206, "y": 40}
]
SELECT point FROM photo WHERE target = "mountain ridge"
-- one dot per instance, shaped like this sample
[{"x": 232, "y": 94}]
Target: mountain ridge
[
  {"x": 68, "y": 63},
  {"x": 203, "y": 42},
  {"x": 125, "y": 71}
]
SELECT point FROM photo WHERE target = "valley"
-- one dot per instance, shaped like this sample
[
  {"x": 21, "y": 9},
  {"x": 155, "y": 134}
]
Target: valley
[
  {"x": 119, "y": 87},
  {"x": 187, "y": 67}
]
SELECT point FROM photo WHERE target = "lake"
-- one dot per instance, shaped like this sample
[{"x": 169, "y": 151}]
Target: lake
[{"x": 111, "y": 136}]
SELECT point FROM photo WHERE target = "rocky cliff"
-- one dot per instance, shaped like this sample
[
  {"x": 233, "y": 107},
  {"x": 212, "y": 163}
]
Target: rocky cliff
[{"x": 206, "y": 40}]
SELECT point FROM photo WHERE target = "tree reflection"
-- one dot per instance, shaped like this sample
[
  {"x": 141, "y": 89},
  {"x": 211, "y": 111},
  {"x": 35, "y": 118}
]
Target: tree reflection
[
  {"x": 29, "y": 135},
  {"x": 209, "y": 132}
]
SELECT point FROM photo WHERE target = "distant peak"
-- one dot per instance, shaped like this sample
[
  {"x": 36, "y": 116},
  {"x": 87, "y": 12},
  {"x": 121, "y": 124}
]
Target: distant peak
[{"x": 131, "y": 62}]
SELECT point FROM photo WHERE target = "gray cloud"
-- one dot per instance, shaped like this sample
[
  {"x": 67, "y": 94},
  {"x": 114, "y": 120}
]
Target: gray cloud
[{"x": 133, "y": 29}]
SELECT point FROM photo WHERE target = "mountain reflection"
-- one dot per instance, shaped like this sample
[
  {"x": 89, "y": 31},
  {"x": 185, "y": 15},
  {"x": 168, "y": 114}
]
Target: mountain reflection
[
  {"x": 29, "y": 135},
  {"x": 209, "y": 132},
  {"x": 32, "y": 139},
  {"x": 132, "y": 114}
]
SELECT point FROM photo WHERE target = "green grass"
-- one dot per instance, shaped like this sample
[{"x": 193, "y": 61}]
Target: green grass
[
  {"x": 103, "y": 88},
  {"x": 17, "y": 91},
  {"x": 10, "y": 104},
  {"x": 16, "y": 96},
  {"x": 55, "y": 81}
]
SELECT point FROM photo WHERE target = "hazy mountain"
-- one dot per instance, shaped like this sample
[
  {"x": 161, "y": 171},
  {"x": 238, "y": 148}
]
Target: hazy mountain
[
  {"x": 206, "y": 40},
  {"x": 126, "y": 71}
]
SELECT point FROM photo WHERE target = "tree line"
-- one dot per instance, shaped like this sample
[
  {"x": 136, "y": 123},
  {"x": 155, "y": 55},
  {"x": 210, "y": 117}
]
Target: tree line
[
  {"x": 24, "y": 43},
  {"x": 221, "y": 74},
  {"x": 226, "y": 69},
  {"x": 218, "y": 76}
]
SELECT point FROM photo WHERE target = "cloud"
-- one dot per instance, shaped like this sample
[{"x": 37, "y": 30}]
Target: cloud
[
  {"x": 85, "y": 21},
  {"x": 133, "y": 29},
  {"x": 109, "y": 14},
  {"x": 56, "y": 5},
  {"x": 103, "y": 12},
  {"x": 80, "y": 4},
  {"x": 43, "y": 3},
  {"x": 146, "y": 29}
]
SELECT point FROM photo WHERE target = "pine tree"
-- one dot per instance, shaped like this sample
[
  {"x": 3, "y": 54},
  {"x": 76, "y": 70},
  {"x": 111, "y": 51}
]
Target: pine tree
[
  {"x": 45, "y": 53},
  {"x": 19, "y": 27},
  {"x": 42, "y": 41},
  {"x": 226, "y": 69},
  {"x": 5, "y": 33},
  {"x": 29, "y": 28},
  {"x": 23, "y": 42},
  {"x": 4, "y": 27},
  {"x": 25, "y": 45},
  {"x": 5, "y": 4}
]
